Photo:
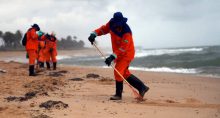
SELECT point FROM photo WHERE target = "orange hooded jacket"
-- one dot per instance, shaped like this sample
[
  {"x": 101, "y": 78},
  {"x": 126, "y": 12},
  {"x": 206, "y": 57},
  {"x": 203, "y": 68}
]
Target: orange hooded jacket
[
  {"x": 32, "y": 40},
  {"x": 51, "y": 43},
  {"x": 122, "y": 43}
]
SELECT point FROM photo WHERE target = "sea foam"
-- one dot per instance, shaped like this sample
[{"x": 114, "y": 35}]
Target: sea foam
[{"x": 157, "y": 52}]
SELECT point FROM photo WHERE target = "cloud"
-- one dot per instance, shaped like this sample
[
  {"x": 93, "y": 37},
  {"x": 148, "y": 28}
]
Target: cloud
[{"x": 154, "y": 23}]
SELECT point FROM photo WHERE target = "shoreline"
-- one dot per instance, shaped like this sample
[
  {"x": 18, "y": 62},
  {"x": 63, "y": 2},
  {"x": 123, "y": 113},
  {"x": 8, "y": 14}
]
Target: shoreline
[
  {"x": 141, "y": 69},
  {"x": 20, "y": 56},
  {"x": 105, "y": 67}
]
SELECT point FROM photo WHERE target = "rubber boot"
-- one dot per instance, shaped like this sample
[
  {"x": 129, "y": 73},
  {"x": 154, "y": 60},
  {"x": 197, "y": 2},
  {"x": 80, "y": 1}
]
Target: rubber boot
[
  {"x": 118, "y": 92},
  {"x": 54, "y": 65},
  {"x": 41, "y": 64},
  {"x": 31, "y": 70},
  {"x": 138, "y": 84},
  {"x": 48, "y": 65}
]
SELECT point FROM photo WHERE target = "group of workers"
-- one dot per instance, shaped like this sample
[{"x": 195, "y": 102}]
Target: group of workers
[{"x": 41, "y": 47}]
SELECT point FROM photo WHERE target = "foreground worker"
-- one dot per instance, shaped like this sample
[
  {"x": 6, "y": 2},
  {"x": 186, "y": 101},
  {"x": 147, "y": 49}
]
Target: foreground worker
[
  {"x": 51, "y": 50},
  {"x": 123, "y": 53},
  {"x": 32, "y": 46}
]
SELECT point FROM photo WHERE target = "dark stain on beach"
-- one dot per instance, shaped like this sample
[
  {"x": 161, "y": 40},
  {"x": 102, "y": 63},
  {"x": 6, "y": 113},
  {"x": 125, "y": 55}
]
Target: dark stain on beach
[
  {"x": 44, "y": 85},
  {"x": 76, "y": 79},
  {"x": 41, "y": 116},
  {"x": 26, "y": 97},
  {"x": 58, "y": 73},
  {"x": 55, "y": 74},
  {"x": 92, "y": 75},
  {"x": 170, "y": 101},
  {"x": 53, "y": 104},
  {"x": 63, "y": 71}
]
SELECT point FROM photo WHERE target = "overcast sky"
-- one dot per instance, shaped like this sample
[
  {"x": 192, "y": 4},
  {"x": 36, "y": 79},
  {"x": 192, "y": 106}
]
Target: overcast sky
[{"x": 154, "y": 23}]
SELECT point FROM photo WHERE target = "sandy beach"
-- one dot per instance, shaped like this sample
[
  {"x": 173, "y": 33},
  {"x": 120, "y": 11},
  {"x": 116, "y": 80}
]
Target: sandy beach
[{"x": 83, "y": 92}]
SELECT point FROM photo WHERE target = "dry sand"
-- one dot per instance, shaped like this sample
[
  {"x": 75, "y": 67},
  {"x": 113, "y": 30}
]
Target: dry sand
[{"x": 170, "y": 95}]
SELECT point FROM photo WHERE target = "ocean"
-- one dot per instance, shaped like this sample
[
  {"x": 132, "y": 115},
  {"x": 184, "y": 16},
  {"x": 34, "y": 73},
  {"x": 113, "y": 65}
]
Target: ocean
[{"x": 203, "y": 60}]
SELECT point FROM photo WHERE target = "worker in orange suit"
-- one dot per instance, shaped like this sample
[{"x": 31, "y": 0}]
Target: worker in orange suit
[
  {"x": 123, "y": 53},
  {"x": 32, "y": 46},
  {"x": 51, "y": 50},
  {"x": 41, "y": 50}
]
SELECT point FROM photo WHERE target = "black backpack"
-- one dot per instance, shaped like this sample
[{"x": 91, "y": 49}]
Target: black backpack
[{"x": 24, "y": 40}]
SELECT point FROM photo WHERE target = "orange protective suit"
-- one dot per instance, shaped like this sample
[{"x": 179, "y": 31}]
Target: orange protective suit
[
  {"x": 32, "y": 45},
  {"x": 122, "y": 46},
  {"x": 41, "y": 51},
  {"x": 51, "y": 49}
]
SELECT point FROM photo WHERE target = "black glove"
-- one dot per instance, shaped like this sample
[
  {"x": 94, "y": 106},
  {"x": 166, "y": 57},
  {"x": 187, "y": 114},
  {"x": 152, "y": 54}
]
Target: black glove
[
  {"x": 27, "y": 56},
  {"x": 51, "y": 50},
  {"x": 92, "y": 38},
  {"x": 109, "y": 60}
]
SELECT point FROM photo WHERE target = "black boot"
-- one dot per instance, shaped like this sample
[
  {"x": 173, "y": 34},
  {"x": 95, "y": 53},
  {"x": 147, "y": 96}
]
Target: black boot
[
  {"x": 54, "y": 65},
  {"x": 41, "y": 64},
  {"x": 138, "y": 84},
  {"x": 31, "y": 70},
  {"x": 48, "y": 65},
  {"x": 118, "y": 92}
]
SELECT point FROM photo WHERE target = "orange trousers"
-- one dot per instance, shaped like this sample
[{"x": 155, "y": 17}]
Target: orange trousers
[
  {"x": 122, "y": 67},
  {"x": 32, "y": 56},
  {"x": 51, "y": 56},
  {"x": 41, "y": 55}
]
